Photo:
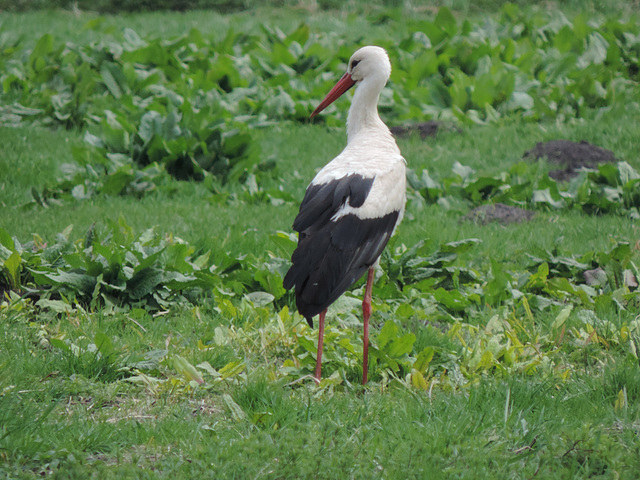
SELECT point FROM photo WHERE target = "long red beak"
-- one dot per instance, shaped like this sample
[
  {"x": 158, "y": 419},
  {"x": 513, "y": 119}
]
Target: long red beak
[{"x": 344, "y": 84}]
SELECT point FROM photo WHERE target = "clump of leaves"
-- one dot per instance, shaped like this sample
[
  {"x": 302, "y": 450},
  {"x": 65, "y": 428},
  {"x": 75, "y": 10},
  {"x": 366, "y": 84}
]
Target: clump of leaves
[
  {"x": 186, "y": 105},
  {"x": 10, "y": 263},
  {"x": 121, "y": 270},
  {"x": 527, "y": 64},
  {"x": 142, "y": 109},
  {"x": 92, "y": 358},
  {"x": 117, "y": 270},
  {"x": 439, "y": 286},
  {"x": 418, "y": 264},
  {"x": 612, "y": 188},
  {"x": 597, "y": 279},
  {"x": 526, "y": 314},
  {"x": 185, "y": 147},
  {"x": 442, "y": 325}
]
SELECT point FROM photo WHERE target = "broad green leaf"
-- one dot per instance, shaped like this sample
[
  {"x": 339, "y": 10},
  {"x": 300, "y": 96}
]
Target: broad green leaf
[
  {"x": 486, "y": 361},
  {"x": 562, "y": 317},
  {"x": 281, "y": 55},
  {"x": 260, "y": 299},
  {"x": 7, "y": 245},
  {"x": 385, "y": 360},
  {"x": 44, "y": 46},
  {"x": 59, "y": 343},
  {"x": 539, "y": 279},
  {"x": 206, "y": 366},
  {"x": 307, "y": 344},
  {"x": 424, "y": 359},
  {"x": 483, "y": 92},
  {"x": 12, "y": 266},
  {"x": 110, "y": 81},
  {"x": 184, "y": 368},
  {"x": 58, "y": 306},
  {"x": 461, "y": 246},
  {"x": 132, "y": 39},
  {"x": 520, "y": 101},
  {"x": 401, "y": 345},
  {"x": 118, "y": 182},
  {"x": 221, "y": 336},
  {"x": 621, "y": 400},
  {"x": 150, "y": 125},
  {"x": 453, "y": 300},
  {"x": 234, "y": 409},
  {"x": 105, "y": 346},
  {"x": 544, "y": 196},
  {"x": 459, "y": 90},
  {"x": 81, "y": 283},
  {"x": 446, "y": 21},
  {"x": 231, "y": 369},
  {"x": 388, "y": 333},
  {"x": 463, "y": 171},
  {"x": 144, "y": 282},
  {"x": 286, "y": 242},
  {"x": 498, "y": 288},
  {"x": 418, "y": 381},
  {"x": 627, "y": 173},
  {"x": 171, "y": 127},
  {"x": 596, "y": 51},
  {"x": 271, "y": 282}
]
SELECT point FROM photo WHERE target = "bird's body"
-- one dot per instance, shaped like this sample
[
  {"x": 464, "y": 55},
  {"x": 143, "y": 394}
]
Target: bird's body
[
  {"x": 353, "y": 205},
  {"x": 346, "y": 218}
]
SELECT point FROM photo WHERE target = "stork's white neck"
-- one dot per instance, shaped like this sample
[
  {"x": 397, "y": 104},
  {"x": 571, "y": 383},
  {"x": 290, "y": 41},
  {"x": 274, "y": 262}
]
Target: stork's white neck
[{"x": 363, "y": 113}]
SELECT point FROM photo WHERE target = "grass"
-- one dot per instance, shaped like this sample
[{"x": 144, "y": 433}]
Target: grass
[
  {"x": 87, "y": 424},
  {"x": 514, "y": 428},
  {"x": 71, "y": 413}
]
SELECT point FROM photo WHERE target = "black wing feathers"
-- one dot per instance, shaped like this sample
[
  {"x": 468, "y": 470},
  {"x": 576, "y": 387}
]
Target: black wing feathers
[
  {"x": 345, "y": 263},
  {"x": 332, "y": 255},
  {"x": 322, "y": 201}
]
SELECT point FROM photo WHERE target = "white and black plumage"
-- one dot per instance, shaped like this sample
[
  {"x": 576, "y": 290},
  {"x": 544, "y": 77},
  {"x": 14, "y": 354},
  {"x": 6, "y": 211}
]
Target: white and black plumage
[{"x": 353, "y": 205}]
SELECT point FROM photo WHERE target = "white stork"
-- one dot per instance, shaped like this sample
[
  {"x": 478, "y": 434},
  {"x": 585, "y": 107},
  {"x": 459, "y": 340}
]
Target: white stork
[{"x": 352, "y": 206}]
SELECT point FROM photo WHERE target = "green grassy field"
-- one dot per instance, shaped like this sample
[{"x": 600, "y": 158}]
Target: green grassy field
[{"x": 501, "y": 362}]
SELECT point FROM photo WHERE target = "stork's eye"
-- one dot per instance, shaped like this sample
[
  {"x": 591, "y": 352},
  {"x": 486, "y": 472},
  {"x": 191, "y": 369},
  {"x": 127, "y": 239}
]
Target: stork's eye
[{"x": 354, "y": 63}]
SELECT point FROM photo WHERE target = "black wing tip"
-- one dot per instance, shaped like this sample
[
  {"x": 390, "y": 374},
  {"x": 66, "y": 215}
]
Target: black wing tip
[
  {"x": 290, "y": 280},
  {"x": 287, "y": 282},
  {"x": 342, "y": 252}
]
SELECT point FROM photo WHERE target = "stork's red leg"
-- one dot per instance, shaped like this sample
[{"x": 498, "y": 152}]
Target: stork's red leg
[
  {"x": 366, "y": 312},
  {"x": 318, "y": 373}
]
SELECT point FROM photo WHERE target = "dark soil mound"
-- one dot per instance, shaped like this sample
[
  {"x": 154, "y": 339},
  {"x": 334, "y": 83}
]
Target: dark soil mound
[
  {"x": 571, "y": 156},
  {"x": 425, "y": 129},
  {"x": 498, "y": 212}
]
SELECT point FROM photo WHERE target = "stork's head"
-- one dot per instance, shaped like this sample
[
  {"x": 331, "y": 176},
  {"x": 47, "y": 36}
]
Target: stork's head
[{"x": 367, "y": 64}]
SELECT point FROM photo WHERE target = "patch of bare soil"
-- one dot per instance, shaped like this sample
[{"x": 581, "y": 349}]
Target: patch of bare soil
[
  {"x": 498, "y": 212},
  {"x": 571, "y": 156},
  {"x": 425, "y": 129}
]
